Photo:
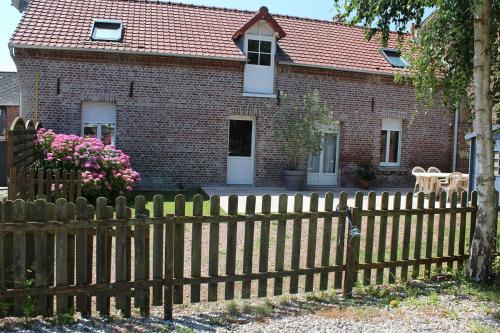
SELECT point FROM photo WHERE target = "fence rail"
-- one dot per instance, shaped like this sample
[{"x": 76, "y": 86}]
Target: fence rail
[{"x": 66, "y": 255}]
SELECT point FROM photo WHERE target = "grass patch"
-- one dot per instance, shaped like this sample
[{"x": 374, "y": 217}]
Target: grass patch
[
  {"x": 169, "y": 201},
  {"x": 232, "y": 309}
]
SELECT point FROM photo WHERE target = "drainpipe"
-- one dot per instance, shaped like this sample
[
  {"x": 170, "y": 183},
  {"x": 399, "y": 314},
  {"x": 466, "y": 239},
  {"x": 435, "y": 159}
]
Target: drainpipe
[{"x": 455, "y": 141}]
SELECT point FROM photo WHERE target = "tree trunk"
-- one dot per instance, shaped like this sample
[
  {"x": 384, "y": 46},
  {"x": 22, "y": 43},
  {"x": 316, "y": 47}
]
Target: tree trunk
[{"x": 483, "y": 243}]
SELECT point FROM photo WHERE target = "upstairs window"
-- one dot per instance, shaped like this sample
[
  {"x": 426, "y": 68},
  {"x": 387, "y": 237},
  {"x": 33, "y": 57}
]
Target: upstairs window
[
  {"x": 393, "y": 57},
  {"x": 107, "y": 30},
  {"x": 259, "y": 52},
  {"x": 99, "y": 121}
]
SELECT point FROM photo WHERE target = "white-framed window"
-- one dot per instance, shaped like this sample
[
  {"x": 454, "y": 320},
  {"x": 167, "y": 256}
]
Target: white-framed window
[
  {"x": 390, "y": 142},
  {"x": 107, "y": 30},
  {"x": 99, "y": 121},
  {"x": 393, "y": 57},
  {"x": 260, "y": 49}
]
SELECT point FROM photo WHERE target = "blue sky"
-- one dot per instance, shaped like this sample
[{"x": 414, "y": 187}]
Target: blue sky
[{"x": 322, "y": 9}]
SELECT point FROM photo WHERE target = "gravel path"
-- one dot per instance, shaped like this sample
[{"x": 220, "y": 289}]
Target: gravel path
[{"x": 385, "y": 309}]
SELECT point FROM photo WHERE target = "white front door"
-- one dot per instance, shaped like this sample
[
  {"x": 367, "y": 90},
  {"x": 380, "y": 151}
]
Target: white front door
[
  {"x": 240, "y": 157},
  {"x": 323, "y": 167}
]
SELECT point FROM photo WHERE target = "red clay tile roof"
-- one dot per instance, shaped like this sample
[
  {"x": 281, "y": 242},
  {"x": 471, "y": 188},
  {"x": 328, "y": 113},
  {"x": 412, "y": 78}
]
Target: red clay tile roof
[{"x": 187, "y": 30}]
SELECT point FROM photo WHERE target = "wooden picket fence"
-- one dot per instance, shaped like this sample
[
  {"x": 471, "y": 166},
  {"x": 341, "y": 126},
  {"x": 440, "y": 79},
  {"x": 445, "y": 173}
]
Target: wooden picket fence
[
  {"x": 100, "y": 258},
  {"x": 30, "y": 184}
]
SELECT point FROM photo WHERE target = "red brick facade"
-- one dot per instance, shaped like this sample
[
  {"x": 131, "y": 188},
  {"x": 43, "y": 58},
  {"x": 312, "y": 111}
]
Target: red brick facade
[
  {"x": 175, "y": 125},
  {"x": 11, "y": 113}
]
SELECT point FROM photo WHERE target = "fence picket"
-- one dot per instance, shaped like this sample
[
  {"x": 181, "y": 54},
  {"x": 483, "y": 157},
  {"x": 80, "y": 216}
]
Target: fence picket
[
  {"x": 248, "y": 246},
  {"x": 296, "y": 238},
  {"x": 48, "y": 185},
  {"x": 231, "y": 246},
  {"x": 180, "y": 210},
  {"x": 370, "y": 230},
  {"x": 417, "y": 254},
  {"x": 57, "y": 182},
  {"x": 196, "y": 239},
  {"x": 40, "y": 179},
  {"x": 31, "y": 184},
  {"x": 452, "y": 229},
  {"x": 327, "y": 239},
  {"x": 71, "y": 252},
  {"x": 213, "y": 248},
  {"x": 64, "y": 183},
  {"x": 264, "y": 244},
  {"x": 17, "y": 215},
  {"x": 382, "y": 237},
  {"x": 169, "y": 269},
  {"x": 396, "y": 205},
  {"x": 82, "y": 300},
  {"x": 61, "y": 255},
  {"x": 123, "y": 302},
  {"x": 41, "y": 263},
  {"x": 71, "y": 190},
  {"x": 102, "y": 301},
  {"x": 340, "y": 245},
  {"x": 141, "y": 296},
  {"x": 280, "y": 244},
  {"x": 463, "y": 223},
  {"x": 406, "y": 237},
  {"x": 311, "y": 242},
  {"x": 430, "y": 233},
  {"x": 358, "y": 203},
  {"x": 442, "y": 220},
  {"x": 158, "y": 250}
]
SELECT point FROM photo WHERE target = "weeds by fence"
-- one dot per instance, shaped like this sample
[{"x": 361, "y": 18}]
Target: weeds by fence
[{"x": 103, "y": 257}]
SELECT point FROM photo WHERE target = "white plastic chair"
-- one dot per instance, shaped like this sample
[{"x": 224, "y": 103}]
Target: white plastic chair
[
  {"x": 417, "y": 172},
  {"x": 454, "y": 184}
]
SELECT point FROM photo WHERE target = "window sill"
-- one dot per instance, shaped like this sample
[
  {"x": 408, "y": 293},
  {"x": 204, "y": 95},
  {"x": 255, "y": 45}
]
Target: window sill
[
  {"x": 259, "y": 95},
  {"x": 390, "y": 169}
]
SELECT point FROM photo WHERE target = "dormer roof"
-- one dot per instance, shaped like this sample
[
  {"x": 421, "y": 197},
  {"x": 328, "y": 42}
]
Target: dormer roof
[{"x": 262, "y": 15}]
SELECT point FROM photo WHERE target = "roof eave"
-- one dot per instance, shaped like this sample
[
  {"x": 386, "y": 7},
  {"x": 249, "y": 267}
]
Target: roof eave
[
  {"x": 262, "y": 14},
  {"x": 343, "y": 69}
]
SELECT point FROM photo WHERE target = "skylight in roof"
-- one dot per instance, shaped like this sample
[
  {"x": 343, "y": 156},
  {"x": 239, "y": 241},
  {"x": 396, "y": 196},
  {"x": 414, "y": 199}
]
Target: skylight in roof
[
  {"x": 107, "y": 30},
  {"x": 393, "y": 57}
]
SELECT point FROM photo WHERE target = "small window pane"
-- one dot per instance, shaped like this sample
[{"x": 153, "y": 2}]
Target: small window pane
[
  {"x": 265, "y": 59},
  {"x": 253, "y": 45},
  {"x": 329, "y": 148},
  {"x": 253, "y": 58},
  {"x": 383, "y": 145},
  {"x": 314, "y": 163},
  {"x": 394, "y": 147},
  {"x": 90, "y": 131},
  {"x": 394, "y": 58},
  {"x": 265, "y": 47},
  {"x": 240, "y": 138},
  {"x": 107, "y": 134}
]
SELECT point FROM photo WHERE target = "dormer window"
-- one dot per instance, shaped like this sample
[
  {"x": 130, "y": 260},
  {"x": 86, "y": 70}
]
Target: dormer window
[
  {"x": 107, "y": 30},
  {"x": 259, "y": 52},
  {"x": 393, "y": 57}
]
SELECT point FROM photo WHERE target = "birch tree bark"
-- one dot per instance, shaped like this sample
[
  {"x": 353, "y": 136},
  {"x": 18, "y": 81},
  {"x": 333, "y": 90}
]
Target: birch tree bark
[{"x": 479, "y": 266}]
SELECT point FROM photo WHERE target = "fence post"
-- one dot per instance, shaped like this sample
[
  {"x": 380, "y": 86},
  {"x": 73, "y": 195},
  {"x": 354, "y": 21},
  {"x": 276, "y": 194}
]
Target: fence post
[{"x": 352, "y": 255}]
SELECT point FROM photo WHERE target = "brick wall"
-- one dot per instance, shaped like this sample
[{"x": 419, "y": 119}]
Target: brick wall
[
  {"x": 175, "y": 127},
  {"x": 11, "y": 113}
]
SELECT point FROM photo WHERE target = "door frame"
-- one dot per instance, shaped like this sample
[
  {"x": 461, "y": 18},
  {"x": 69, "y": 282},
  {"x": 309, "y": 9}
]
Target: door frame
[
  {"x": 335, "y": 129},
  {"x": 254, "y": 123}
]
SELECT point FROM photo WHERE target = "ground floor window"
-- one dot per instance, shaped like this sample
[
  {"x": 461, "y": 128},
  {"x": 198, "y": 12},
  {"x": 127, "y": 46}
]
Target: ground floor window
[
  {"x": 390, "y": 143},
  {"x": 99, "y": 121}
]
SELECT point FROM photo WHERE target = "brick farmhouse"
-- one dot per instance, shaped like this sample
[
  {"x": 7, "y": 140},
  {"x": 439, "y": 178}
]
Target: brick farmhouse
[{"x": 192, "y": 93}]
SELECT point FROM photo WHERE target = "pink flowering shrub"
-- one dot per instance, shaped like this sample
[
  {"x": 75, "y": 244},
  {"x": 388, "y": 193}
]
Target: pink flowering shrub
[{"x": 106, "y": 171}]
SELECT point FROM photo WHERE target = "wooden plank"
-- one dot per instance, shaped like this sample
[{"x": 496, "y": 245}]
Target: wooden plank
[
  {"x": 83, "y": 304},
  {"x": 12, "y": 191},
  {"x": 169, "y": 270},
  {"x": 452, "y": 229},
  {"x": 382, "y": 237},
  {"x": 441, "y": 228},
  {"x": 213, "y": 248},
  {"x": 19, "y": 254},
  {"x": 50, "y": 215},
  {"x": 71, "y": 208},
  {"x": 123, "y": 302},
  {"x": 141, "y": 295},
  {"x": 31, "y": 184},
  {"x": 352, "y": 254},
  {"x": 280, "y": 244},
  {"x": 158, "y": 238},
  {"x": 312, "y": 234},
  {"x": 394, "y": 236},
  {"x": 232, "y": 227},
  {"x": 406, "y": 237},
  {"x": 296, "y": 238},
  {"x": 370, "y": 230},
  {"x": 463, "y": 224},
  {"x": 30, "y": 240},
  {"x": 180, "y": 210},
  {"x": 41, "y": 263},
  {"x": 417, "y": 254},
  {"x": 340, "y": 244},
  {"x": 356, "y": 241},
  {"x": 473, "y": 215},
  {"x": 430, "y": 233},
  {"x": 57, "y": 181},
  {"x": 265, "y": 231},
  {"x": 64, "y": 183},
  {"x": 61, "y": 255},
  {"x": 48, "y": 185},
  {"x": 72, "y": 186},
  {"x": 248, "y": 246},
  {"x": 79, "y": 185},
  {"x": 40, "y": 181},
  {"x": 196, "y": 239},
  {"x": 102, "y": 301},
  {"x": 327, "y": 240},
  {"x": 90, "y": 245}
]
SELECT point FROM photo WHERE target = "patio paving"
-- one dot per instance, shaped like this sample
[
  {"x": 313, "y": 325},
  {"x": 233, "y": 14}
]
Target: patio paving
[{"x": 242, "y": 191}]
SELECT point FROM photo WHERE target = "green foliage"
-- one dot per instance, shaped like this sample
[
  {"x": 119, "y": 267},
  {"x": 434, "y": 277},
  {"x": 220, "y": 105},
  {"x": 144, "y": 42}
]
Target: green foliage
[
  {"x": 28, "y": 309},
  {"x": 300, "y": 130},
  {"x": 65, "y": 318},
  {"x": 232, "y": 308},
  {"x": 366, "y": 171}
]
